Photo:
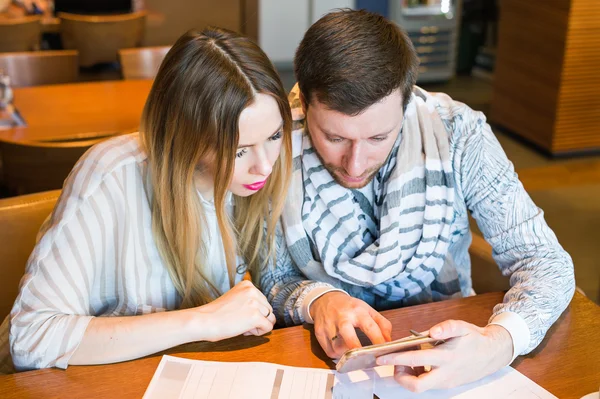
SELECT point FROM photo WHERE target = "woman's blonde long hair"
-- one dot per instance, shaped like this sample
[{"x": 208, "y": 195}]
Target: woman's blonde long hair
[{"x": 192, "y": 113}]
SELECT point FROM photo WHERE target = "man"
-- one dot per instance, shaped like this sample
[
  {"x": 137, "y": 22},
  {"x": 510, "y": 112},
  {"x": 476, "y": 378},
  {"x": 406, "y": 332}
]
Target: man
[{"x": 385, "y": 175}]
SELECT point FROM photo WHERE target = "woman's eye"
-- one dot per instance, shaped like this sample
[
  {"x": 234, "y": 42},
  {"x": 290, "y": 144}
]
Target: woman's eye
[
  {"x": 276, "y": 136},
  {"x": 241, "y": 153}
]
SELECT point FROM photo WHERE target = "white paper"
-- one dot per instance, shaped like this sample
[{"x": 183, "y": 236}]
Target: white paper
[
  {"x": 506, "y": 383},
  {"x": 180, "y": 378}
]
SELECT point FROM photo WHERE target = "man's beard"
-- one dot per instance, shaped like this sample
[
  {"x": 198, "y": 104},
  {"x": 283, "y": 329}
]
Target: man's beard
[{"x": 335, "y": 172}]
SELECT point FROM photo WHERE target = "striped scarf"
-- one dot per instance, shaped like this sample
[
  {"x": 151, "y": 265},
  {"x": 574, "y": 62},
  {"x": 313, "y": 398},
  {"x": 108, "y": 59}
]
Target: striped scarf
[{"x": 327, "y": 226}]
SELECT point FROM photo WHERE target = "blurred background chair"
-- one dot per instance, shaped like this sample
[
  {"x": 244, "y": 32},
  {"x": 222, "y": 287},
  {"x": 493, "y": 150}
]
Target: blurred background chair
[
  {"x": 485, "y": 274},
  {"x": 20, "y": 218},
  {"x": 34, "y": 167},
  {"x": 20, "y": 34},
  {"x": 143, "y": 62},
  {"x": 40, "y": 67},
  {"x": 98, "y": 38}
]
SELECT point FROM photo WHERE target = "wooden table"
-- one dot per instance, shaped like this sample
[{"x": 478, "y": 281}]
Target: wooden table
[
  {"x": 78, "y": 110},
  {"x": 567, "y": 363}
]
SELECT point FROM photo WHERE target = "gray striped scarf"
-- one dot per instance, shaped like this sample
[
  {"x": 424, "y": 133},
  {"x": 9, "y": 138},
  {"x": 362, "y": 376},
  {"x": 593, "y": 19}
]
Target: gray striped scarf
[{"x": 412, "y": 212}]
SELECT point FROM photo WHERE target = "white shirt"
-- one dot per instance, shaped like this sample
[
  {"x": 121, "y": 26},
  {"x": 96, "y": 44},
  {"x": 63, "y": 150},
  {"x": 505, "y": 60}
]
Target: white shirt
[
  {"x": 97, "y": 257},
  {"x": 212, "y": 237}
]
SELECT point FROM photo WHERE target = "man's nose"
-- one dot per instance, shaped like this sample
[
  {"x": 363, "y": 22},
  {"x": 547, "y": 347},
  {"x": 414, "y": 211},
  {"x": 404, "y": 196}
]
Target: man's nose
[{"x": 354, "y": 162}]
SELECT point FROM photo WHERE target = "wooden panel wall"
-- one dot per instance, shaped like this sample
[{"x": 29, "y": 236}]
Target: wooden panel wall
[
  {"x": 249, "y": 19},
  {"x": 175, "y": 17},
  {"x": 544, "y": 86},
  {"x": 578, "y": 114}
]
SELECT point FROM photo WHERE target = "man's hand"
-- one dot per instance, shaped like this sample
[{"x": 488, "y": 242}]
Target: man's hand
[
  {"x": 469, "y": 354},
  {"x": 336, "y": 315}
]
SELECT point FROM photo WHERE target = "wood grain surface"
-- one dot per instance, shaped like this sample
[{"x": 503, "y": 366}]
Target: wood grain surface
[
  {"x": 78, "y": 110},
  {"x": 567, "y": 362}
]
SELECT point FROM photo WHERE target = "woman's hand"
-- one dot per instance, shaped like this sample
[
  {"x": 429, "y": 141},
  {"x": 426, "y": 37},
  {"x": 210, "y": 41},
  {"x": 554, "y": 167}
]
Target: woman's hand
[{"x": 241, "y": 310}]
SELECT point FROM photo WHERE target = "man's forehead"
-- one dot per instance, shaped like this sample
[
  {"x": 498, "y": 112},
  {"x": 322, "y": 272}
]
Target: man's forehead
[{"x": 355, "y": 127}]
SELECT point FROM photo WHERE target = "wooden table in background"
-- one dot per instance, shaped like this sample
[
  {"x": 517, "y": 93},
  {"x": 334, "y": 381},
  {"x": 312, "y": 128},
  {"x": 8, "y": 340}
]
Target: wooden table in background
[
  {"x": 567, "y": 362},
  {"x": 78, "y": 110}
]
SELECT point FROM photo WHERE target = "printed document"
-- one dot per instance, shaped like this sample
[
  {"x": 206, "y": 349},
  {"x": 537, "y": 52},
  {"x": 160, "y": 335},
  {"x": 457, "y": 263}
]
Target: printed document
[{"x": 180, "y": 378}]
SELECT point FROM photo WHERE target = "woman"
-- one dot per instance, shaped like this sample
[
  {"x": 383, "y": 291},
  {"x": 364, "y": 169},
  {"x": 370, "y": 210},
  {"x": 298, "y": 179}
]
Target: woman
[{"x": 153, "y": 221}]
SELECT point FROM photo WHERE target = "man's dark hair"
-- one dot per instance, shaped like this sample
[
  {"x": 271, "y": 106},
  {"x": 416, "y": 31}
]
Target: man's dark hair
[{"x": 351, "y": 59}]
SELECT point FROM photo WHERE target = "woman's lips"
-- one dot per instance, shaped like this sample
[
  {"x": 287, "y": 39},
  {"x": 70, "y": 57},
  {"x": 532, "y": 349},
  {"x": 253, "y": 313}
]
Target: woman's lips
[{"x": 256, "y": 186}]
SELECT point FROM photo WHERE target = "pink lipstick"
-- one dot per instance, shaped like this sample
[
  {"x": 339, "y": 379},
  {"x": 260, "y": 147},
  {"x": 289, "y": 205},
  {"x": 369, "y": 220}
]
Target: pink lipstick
[{"x": 256, "y": 186}]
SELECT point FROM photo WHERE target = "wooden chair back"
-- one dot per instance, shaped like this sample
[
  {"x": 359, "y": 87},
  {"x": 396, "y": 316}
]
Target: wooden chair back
[
  {"x": 20, "y": 34},
  {"x": 143, "y": 62},
  {"x": 485, "y": 274},
  {"x": 20, "y": 218},
  {"x": 98, "y": 38},
  {"x": 40, "y": 67},
  {"x": 34, "y": 167}
]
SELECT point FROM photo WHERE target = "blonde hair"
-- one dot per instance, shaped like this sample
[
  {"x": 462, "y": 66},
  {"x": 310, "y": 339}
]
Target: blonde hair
[{"x": 192, "y": 113}]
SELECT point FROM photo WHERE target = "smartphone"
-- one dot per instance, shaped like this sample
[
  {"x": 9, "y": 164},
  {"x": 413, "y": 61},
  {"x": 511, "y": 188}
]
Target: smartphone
[{"x": 366, "y": 357}]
